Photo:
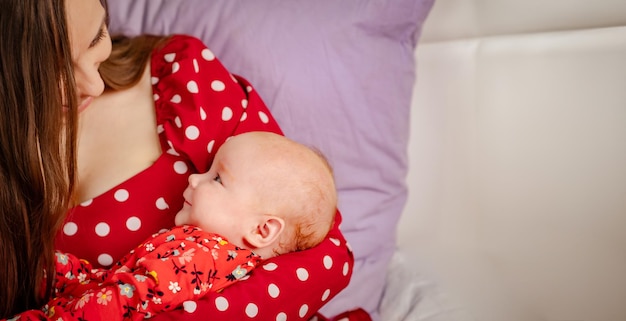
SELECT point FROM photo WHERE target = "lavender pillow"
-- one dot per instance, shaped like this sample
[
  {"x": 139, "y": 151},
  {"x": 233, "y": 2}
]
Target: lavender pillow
[{"x": 337, "y": 75}]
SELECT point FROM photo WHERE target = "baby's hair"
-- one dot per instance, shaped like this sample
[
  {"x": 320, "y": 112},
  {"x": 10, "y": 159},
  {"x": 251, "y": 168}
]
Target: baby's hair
[{"x": 307, "y": 231}]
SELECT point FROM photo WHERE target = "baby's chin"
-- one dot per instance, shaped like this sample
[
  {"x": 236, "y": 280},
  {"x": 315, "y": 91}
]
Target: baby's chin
[{"x": 181, "y": 218}]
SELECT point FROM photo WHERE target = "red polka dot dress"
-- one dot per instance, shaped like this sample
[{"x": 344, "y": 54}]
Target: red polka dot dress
[{"x": 199, "y": 105}]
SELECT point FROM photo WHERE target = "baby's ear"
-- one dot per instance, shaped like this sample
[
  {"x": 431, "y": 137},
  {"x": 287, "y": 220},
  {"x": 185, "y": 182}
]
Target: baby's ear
[{"x": 266, "y": 232}]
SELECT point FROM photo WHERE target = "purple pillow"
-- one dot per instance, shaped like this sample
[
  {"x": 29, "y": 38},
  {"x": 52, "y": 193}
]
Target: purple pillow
[{"x": 337, "y": 75}]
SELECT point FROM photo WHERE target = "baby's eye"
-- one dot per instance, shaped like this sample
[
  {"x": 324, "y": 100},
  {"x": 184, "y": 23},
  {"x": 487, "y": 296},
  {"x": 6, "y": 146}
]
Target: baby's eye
[{"x": 218, "y": 178}]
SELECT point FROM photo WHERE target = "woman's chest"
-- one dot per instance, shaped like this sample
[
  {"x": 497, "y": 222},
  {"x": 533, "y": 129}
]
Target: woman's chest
[{"x": 117, "y": 139}]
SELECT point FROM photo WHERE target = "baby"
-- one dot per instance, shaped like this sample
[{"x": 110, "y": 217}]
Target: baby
[{"x": 264, "y": 193}]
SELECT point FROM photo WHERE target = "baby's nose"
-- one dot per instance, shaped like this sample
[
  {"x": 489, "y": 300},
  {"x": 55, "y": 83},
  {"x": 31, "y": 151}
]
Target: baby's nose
[{"x": 193, "y": 180}]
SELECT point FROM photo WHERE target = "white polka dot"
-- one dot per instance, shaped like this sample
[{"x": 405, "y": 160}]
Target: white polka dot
[
  {"x": 244, "y": 103},
  {"x": 202, "y": 113},
  {"x": 302, "y": 274},
  {"x": 244, "y": 116},
  {"x": 196, "y": 68},
  {"x": 121, "y": 195},
  {"x": 192, "y": 132},
  {"x": 70, "y": 228},
  {"x": 176, "y": 99},
  {"x": 303, "y": 310},
  {"x": 190, "y": 306},
  {"x": 270, "y": 267},
  {"x": 175, "y": 67},
  {"x": 273, "y": 290},
  {"x": 227, "y": 114},
  {"x": 209, "y": 147},
  {"x": 170, "y": 57},
  {"x": 178, "y": 122},
  {"x": 86, "y": 203},
  {"x": 207, "y": 54},
  {"x": 335, "y": 241},
  {"x": 155, "y": 97},
  {"x": 281, "y": 317},
  {"x": 221, "y": 303},
  {"x": 133, "y": 223},
  {"x": 192, "y": 86},
  {"x": 154, "y": 80},
  {"x": 252, "y": 310},
  {"x": 348, "y": 246},
  {"x": 180, "y": 167},
  {"x": 344, "y": 319},
  {"x": 328, "y": 262},
  {"x": 162, "y": 204},
  {"x": 249, "y": 89},
  {"x": 263, "y": 117},
  {"x": 346, "y": 268},
  {"x": 160, "y": 129},
  {"x": 105, "y": 259},
  {"x": 103, "y": 229},
  {"x": 171, "y": 150},
  {"x": 326, "y": 295},
  {"x": 218, "y": 85}
]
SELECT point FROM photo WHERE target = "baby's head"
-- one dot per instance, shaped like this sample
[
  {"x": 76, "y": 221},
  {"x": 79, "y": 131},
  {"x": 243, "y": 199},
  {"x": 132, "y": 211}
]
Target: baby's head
[{"x": 264, "y": 192}]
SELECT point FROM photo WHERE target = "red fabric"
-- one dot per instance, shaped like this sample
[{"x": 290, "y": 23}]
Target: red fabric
[
  {"x": 175, "y": 266},
  {"x": 164, "y": 272},
  {"x": 192, "y": 125}
]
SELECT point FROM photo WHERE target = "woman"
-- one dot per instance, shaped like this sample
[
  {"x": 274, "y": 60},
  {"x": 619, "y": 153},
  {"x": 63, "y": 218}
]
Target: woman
[
  {"x": 48, "y": 63},
  {"x": 158, "y": 123}
]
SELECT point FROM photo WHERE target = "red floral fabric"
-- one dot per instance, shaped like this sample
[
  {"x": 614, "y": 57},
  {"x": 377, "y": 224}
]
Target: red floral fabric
[{"x": 169, "y": 270}]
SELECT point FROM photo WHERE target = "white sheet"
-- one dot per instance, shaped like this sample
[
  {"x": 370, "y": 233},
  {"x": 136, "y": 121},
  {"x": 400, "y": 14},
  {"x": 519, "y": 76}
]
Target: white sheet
[{"x": 411, "y": 295}]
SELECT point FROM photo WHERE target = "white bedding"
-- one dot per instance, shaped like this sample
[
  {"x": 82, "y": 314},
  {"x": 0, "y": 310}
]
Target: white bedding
[
  {"x": 413, "y": 295},
  {"x": 517, "y": 153}
]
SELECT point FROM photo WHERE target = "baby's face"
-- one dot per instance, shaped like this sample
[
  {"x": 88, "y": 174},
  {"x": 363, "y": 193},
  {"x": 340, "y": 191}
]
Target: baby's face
[
  {"x": 254, "y": 175},
  {"x": 222, "y": 199}
]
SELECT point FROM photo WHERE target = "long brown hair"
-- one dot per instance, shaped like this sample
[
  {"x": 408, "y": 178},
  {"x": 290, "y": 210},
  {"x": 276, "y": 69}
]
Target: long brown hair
[
  {"x": 37, "y": 147},
  {"x": 128, "y": 60}
]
